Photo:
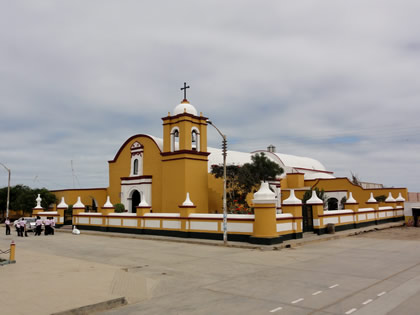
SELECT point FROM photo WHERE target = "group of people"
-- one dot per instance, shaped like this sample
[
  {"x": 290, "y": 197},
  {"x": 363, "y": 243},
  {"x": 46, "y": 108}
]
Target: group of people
[
  {"x": 21, "y": 229},
  {"x": 49, "y": 225}
]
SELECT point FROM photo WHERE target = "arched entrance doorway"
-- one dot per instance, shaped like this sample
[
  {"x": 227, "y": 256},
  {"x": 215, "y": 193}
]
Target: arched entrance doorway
[
  {"x": 135, "y": 200},
  {"x": 332, "y": 204}
]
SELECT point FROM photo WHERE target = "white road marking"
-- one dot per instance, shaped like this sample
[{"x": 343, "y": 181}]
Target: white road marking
[
  {"x": 334, "y": 286},
  {"x": 298, "y": 300},
  {"x": 351, "y": 311},
  {"x": 382, "y": 293},
  {"x": 276, "y": 309},
  {"x": 367, "y": 301},
  {"x": 317, "y": 292}
]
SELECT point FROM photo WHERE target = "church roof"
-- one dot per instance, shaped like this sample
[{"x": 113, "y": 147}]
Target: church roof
[
  {"x": 185, "y": 107},
  {"x": 312, "y": 168}
]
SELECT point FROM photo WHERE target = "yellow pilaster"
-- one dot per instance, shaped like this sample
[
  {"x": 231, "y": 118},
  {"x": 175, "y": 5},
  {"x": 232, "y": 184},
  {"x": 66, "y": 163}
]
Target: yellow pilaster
[
  {"x": 141, "y": 210},
  {"x": 184, "y": 212},
  {"x": 265, "y": 220}
]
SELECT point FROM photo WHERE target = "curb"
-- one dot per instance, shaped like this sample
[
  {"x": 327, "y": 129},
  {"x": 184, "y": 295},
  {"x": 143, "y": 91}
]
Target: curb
[
  {"x": 98, "y": 307},
  {"x": 287, "y": 244}
]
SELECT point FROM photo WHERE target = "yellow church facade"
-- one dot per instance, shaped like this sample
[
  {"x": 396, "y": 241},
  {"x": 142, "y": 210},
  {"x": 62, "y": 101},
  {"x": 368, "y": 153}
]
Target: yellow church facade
[{"x": 166, "y": 188}]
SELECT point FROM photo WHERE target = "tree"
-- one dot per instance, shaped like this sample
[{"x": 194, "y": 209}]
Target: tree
[
  {"x": 241, "y": 180},
  {"x": 24, "y": 198}
]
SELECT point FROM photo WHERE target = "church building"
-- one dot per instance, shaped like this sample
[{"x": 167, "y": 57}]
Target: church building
[{"x": 162, "y": 173}]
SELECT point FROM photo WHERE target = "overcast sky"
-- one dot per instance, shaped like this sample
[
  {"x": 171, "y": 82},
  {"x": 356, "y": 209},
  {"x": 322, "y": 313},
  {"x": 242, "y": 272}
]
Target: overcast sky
[{"x": 337, "y": 81}]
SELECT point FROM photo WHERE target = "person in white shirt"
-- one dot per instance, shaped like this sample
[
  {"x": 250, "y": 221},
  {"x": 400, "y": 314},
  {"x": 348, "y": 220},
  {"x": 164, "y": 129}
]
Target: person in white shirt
[
  {"x": 47, "y": 224},
  {"x": 38, "y": 224},
  {"x": 22, "y": 225},
  {"x": 52, "y": 226},
  {"x": 7, "y": 222}
]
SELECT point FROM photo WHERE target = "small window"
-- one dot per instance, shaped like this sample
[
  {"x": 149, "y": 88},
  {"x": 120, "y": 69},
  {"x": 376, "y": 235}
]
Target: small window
[{"x": 136, "y": 167}]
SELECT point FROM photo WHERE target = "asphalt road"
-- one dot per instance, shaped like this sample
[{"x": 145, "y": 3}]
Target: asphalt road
[{"x": 373, "y": 273}]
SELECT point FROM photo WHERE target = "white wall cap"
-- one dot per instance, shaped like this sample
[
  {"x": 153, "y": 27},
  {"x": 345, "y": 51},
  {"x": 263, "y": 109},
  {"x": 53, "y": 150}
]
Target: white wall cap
[
  {"x": 314, "y": 200},
  {"x": 185, "y": 107},
  {"x": 62, "y": 204},
  {"x": 390, "y": 198},
  {"x": 108, "y": 203},
  {"x": 339, "y": 211},
  {"x": 365, "y": 209},
  {"x": 400, "y": 198},
  {"x": 385, "y": 208},
  {"x": 188, "y": 202},
  {"x": 292, "y": 200},
  {"x": 167, "y": 215},
  {"x": 264, "y": 194},
  {"x": 284, "y": 215},
  {"x": 79, "y": 203},
  {"x": 372, "y": 199},
  {"x": 350, "y": 199}
]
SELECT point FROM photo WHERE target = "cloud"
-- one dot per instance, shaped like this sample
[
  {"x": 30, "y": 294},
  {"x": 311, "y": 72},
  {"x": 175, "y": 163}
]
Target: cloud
[{"x": 336, "y": 81}]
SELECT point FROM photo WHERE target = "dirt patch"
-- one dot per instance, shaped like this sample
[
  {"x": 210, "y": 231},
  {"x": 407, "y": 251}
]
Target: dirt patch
[{"x": 396, "y": 233}]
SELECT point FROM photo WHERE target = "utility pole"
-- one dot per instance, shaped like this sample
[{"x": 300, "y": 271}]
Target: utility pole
[
  {"x": 8, "y": 189},
  {"x": 224, "y": 153}
]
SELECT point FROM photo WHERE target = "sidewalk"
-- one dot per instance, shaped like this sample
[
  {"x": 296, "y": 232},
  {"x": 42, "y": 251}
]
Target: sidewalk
[{"x": 44, "y": 283}]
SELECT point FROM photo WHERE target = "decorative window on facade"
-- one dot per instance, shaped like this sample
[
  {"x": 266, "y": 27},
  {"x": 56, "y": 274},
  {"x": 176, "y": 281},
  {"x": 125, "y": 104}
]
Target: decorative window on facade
[
  {"x": 137, "y": 151},
  {"x": 136, "y": 167}
]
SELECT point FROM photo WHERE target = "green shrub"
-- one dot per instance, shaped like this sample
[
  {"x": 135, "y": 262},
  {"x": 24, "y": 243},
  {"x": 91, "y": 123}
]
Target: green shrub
[{"x": 119, "y": 207}]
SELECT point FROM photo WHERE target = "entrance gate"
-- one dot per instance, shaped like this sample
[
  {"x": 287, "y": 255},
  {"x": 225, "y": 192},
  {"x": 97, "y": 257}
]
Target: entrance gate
[{"x": 307, "y": 218}]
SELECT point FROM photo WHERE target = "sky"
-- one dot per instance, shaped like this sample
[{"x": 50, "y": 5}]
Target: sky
[{"x": 337, "y": 81}]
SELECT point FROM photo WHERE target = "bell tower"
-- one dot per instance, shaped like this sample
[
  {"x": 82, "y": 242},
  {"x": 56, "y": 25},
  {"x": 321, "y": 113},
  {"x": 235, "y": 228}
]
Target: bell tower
[{"x": 184, "y": 157}]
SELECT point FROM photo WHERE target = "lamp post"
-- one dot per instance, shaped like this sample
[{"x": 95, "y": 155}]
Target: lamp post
[
  {"x": 8, "y": 190},
  {"x": 224, "y": 150}
]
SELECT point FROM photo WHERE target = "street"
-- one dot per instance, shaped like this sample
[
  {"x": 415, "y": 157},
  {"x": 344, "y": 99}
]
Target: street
[{"x": 372, "y": 273}]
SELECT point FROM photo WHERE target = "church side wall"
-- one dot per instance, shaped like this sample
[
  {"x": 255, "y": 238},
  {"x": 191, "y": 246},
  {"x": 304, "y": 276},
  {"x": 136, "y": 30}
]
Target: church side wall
[
  {"x": 215, "y": 194},
  {"x": 360, "y": 194},
  {"x": 86, "y": 196}
]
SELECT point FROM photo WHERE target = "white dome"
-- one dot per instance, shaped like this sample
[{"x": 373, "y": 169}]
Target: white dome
[{"x": 185, "y": 106}]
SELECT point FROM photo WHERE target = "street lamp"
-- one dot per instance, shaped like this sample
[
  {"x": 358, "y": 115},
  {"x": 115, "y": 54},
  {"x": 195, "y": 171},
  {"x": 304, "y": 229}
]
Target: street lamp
[
  {"x": 224, "y": 150},
  {"x": 8, "y": 190}
]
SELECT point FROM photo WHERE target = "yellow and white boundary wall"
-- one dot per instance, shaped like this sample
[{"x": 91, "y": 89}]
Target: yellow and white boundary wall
[
  {"x": 353, "y": 216},
  {"x": 263, "y": 227}
]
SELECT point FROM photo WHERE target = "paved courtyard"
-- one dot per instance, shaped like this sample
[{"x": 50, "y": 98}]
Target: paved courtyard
[{"x": 373, "y": 273}]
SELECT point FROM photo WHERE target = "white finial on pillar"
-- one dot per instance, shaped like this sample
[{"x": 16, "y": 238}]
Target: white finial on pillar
[
  {"x": 188, "y": 202},
  {"x": 79, "y": 203},
  {"x": 400, "y": 198},
  {"x": 292, "y": 200},
  {"x": 38, "y": 202},
  {"x": 108, "y": 203},
  {"x": 315, "y": 200},
  {"x": 62, "y": 204},
  {"x": 350, "y": 199},
  {"x": 372, "y": 199},
  {"x": 390, "y": 198},
  {"x": 143, "y": 203}
]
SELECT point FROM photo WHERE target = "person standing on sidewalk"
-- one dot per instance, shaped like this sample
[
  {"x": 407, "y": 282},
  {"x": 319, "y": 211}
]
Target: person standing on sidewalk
[
  {"x": 52, "y": 226},
  {"x": 47, "y": 224},
  {"x": 23, "y": 227},
  {"x": 38, "y": 224},
  {"x": 7, "y": 222}
]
